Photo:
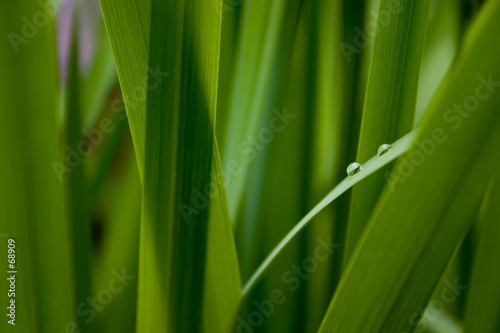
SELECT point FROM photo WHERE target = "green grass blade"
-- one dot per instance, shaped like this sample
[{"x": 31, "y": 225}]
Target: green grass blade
[
  {"x": 120, "y": 248},
  {"x": 483, "y": 303},
  {"x": 75, "y": 183},
  {"x": 229, "y": 34},
  {"x": 270, "y": 212},
  {"x": 198, "y": 281},
  {"x": 265, "y": 40},
  {"x": 103, "y": 160},
  {"x": 32, "y": 204},
  {"x": 441, "y": 323},
  {"x": 390, "y": 97},
  {"x": 441, "y": 45},
  {"x": 328, "y": 109},
  {"x": 188, "y": 267},
  {"x": 130, "y": 45},
  {"x": 376, "y": 163},
  {"x": 411, "y": 237},
  {"x": 99, "y": 81}
]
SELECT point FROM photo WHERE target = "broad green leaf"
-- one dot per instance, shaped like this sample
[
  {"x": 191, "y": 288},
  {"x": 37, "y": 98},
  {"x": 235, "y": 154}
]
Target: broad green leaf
[
  {"x": 411, "y": 237},
  {"x": 483, "y": 303},
  {"x": 390, "y": 96},
  {"x": 32, "y": 204},
  {"x": 189, "y": 274}
]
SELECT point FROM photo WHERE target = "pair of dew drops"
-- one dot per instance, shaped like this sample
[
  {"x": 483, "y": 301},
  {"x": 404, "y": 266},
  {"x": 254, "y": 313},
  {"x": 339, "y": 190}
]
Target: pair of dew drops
[{"x": 355, "y": 167}]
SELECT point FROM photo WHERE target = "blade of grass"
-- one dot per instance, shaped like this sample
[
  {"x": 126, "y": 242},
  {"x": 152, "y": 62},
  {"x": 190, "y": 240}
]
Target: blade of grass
[
  {"x": 188, "y": 266},
  {"x": 130, "y": 45},
  {"x": 120, "y": 247},
  {"x": 265, "y": 40},
  {"x": 355, "y": 67},
  {"x": 100, "y": 80},
  {"x": 283, "y": 168},
  {"x": 441, "y": 45},
  {"x": 273, "y": 205},
  {"x": 328, "y": 102},
  {"x": 252, "y": 152},
  {"x": 390, "y": 97},
  {"x": 103, "y": 159},
  {"x": 396, "y": 265},
  {"x": 483, "y": 303},
  {"x": 230, "y": 28},
  {"x": 399, "y": 147},
  {"x": 441, "y": 323},
  {"x": 32, "y": 204},
  {"x": 77, "y": 203}
]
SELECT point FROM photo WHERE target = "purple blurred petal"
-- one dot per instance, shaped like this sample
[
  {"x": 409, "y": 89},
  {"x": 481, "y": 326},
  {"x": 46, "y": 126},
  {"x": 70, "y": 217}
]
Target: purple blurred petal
[
  {"x": 64, "y": 29},
  {"x": 89, "y": 18}
]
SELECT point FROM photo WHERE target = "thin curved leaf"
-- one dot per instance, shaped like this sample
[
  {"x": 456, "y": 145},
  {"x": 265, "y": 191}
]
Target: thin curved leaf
[{"x": 374, "y": 164}]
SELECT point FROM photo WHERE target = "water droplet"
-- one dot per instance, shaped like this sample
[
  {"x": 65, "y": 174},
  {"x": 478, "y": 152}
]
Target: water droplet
[
  {"x": 384, "y": 149},
  {"x": 353, "y": 169}
]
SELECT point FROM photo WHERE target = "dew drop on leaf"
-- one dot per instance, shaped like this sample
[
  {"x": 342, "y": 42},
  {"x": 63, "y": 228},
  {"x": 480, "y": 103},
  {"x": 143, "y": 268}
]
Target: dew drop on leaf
[
  {"x": 353, "y": 169},
  {"x": 384, "y": 149}
]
